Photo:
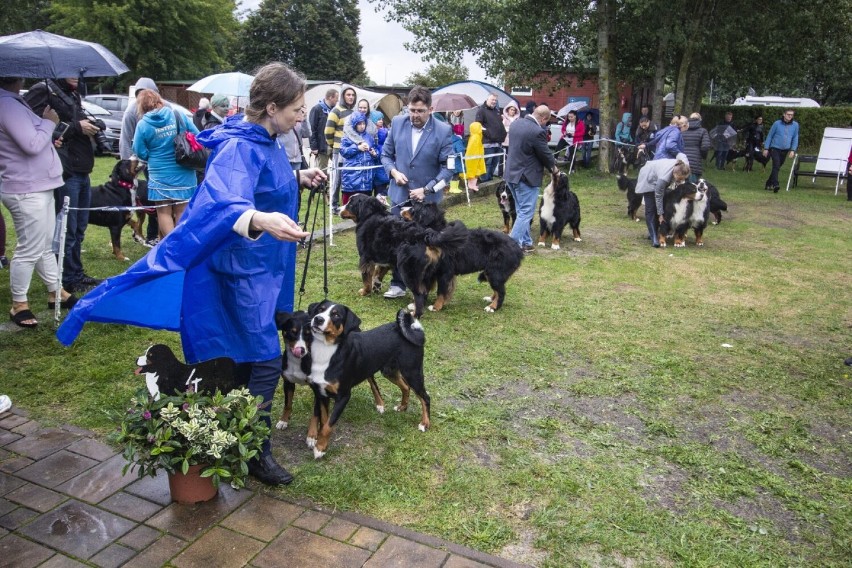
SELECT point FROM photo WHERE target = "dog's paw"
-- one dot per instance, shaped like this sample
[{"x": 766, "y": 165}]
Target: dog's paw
[
  {"x": 311, "y": 442},
  {"x": 636, "y": 219},
  {"x": 680, "y": 245},
  {"x": 489, "y": 309},
  {"x": 698, "y": 244},
  {"x": 380, "y": 409},
  {"x": 421, "y": 427},
  {"x": 431, "y": 308},
  {"x": 554, "y": 246},
  {"x": 714, "y": 223},
  {"x": 578, "y": 239},
  {"x": 411, "y": 307},
  {"x": 281, "y": 425},
  {"x": 363, "y": 292},
  {"x": 400, "y": 408},
  {"x": 318, "y": 454},
  {"x": 377, "y": 285},
  {"x": 541, "y": 244}
]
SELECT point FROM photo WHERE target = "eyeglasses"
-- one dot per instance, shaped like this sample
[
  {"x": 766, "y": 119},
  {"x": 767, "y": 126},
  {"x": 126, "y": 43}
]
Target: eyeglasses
[
  {"x": 789, "y": 114},
  {"x": 418, "y": 110}
]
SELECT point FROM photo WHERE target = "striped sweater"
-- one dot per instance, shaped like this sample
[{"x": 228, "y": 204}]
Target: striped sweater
[{"x": 334, "y": 126}]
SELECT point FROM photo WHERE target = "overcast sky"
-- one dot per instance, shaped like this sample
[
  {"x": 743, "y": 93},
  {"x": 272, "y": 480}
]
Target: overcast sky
[{"x": 386, "y": 60}]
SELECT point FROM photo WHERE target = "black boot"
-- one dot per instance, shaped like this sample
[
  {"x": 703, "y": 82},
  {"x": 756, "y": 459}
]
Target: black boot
[{"x": 266, "y": 470}]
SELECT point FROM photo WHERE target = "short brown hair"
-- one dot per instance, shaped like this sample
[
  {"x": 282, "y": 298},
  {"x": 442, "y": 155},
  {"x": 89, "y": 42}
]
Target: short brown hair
[
  {"x": 420, "y": 94},
  {"x": 147, "y": 101},
  {"x": 273, "y": 83}
]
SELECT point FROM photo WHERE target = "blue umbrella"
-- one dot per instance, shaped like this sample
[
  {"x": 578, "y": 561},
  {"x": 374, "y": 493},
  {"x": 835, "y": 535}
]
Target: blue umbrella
[{"x": 43, "y": 55}]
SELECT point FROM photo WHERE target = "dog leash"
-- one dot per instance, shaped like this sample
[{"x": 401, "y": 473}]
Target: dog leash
[{"x": 320, "y": 205}]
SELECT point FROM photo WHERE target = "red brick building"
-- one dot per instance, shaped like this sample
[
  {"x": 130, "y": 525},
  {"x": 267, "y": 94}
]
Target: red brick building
[{"x": 573, "y": 90}]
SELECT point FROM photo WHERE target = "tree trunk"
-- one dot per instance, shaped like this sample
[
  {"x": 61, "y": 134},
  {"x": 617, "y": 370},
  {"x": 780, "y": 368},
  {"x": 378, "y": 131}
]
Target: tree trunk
[
  {"x": 606, "y": 78},
  {"x": 657, "y": 109}
]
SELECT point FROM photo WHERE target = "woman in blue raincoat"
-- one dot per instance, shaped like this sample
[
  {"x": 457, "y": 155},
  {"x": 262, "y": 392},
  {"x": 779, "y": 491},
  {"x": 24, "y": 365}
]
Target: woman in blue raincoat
[{"x": 229, "y": 265}]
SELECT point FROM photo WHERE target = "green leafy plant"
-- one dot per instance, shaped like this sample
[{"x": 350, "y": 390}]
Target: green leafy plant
[{"x": 221, "y": 432}]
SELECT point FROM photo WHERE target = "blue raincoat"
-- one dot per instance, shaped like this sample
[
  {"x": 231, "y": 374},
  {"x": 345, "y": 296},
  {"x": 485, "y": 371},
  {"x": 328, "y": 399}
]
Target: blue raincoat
[{"x": 219, "y": 289}]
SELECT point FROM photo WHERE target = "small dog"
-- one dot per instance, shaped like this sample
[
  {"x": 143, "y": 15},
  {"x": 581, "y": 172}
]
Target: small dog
[
  {"x": 118, "y": 192},
  {"x": 507, "y": 206},
  {"x": 559, "y": 208},
  {"x": 735, "y": 154},
  {"x": 634, "y": 201},
  {"x": 752, "y": 155},
  {"x": 491, "y": 253},
  {"x": 165, "y": 374},
  {"x": 716, "y": 204},
  {"x": 684, "y": 207},
  {"x": 343, "y": 357},
  {"x": 296, "y": 362}
]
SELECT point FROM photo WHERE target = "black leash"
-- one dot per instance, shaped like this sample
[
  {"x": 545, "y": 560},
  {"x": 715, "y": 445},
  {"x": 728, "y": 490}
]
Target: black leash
[{"x": 320, "y": 205}]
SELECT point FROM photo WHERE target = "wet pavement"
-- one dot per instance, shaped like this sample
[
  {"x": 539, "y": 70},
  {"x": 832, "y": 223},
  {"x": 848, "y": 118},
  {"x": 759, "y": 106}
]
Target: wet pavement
[{"x": 65, "y": 503}]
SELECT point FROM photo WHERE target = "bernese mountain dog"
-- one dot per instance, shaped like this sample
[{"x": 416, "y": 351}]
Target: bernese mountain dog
[
  {"x": 165, "y": 374},
  {"x": 559, "y": 208},
  {"x": 118, "y": 191},
  {"x": 491, "y": 253},
  {"x": 296, "y": 362},
  {"x": 684, "y": 207},
  {"x": 506, "y": 202},
  {"x": 343, "y": 356},
  {"x": 634, "y": 201},
  {"x": 716, "y": 204},
  {"x": 385, "y": 241}
]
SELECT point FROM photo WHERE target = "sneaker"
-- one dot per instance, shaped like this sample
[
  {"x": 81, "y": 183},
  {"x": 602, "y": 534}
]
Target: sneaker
[
  {"x": 5, "y": 403},
  {"x": 4, "y": 262},
  {"x": 151, "y": 243},
  {"x": 87, "y": 280},
  {"x": 266, "y": 470},
  {"x": 395, "y": 292},
  {"x": 528, "y": 249}
]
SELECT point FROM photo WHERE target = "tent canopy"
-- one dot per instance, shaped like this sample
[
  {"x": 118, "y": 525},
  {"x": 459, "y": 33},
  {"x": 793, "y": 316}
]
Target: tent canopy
[
  {"x": 478, "y": 91},
  {"x": 388, "y": 103}
]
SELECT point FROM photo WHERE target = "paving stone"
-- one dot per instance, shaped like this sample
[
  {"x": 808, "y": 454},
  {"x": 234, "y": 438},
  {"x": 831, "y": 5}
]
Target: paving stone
[
  {"x": 368, "y": 538},
  {"x": 35, "y": 497},
  {"x": 20, "y": 411},
  {"x": 154, "y": 489},
  {"x": 262, "y": 517},
  {"x": 56, "y": 469},
  {"x": 100, "y": 482},
  {"x": 12, "y": 421},
  {"x": 14, "y": 464},
  {"x": 339, "y": 529},
  {"x": 92, "y": 449},
  {"x": 312, "y": 520},
  {"x": 113, "y": 556},
  {"x": 131, "y": 506},
  {"x": 461, "y": 562},
  {"x": 62, "y": 561},
  {"x": 397, "y": 552},
  {"x": 6, "y": 506},
  {"x": 9, "y": 483},
  {"x": 21, "y": 553},
  {"x": 7, "y": 437},
  {"x": 140, "y": 537},
  {"x": 77, "y": 529},
  {"x": 219, "y": 547},
  {"x": 5, "y": 454},
  {"x": 158, "y": 554},
  {"x": 27, "y": 428},
  {"x": 42, "y": 443},
  {"x": 189, "y": 521},
  {"x": 77, "y": 430},
  {"x": 17, "y": 517},
  {"x": 303, "y": 549}
]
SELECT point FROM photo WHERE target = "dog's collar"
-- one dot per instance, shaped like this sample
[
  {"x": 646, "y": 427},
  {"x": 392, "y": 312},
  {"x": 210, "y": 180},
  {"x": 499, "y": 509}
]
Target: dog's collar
[{"x": 125, "y": 184}]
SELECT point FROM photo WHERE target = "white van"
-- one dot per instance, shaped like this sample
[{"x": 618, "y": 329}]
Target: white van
[{"x": 785, "y": 102}]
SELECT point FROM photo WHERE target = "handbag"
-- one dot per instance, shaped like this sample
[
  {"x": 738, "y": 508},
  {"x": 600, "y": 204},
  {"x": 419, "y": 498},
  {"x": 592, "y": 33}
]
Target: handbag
[{"x": 188, "y": 152}]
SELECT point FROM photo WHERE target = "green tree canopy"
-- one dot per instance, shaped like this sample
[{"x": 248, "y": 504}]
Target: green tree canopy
[
  {"x": 438, "y": 74},
  {"x": 26, "y": 16},
  {"x": 319, "y": 38},
  {"x": 179, "y": 39}
]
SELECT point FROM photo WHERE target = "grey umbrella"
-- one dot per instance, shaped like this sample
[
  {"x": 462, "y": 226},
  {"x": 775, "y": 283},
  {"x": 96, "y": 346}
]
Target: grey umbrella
[{"x": 43, "y": 55}]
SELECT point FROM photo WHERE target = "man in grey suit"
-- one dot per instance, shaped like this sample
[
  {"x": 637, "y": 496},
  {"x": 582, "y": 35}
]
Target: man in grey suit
[
  {"x": 528, "y": 156},
  {"x": 415, "y": 156}
]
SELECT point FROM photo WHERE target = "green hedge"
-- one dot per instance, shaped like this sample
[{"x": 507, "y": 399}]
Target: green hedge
[{"x": 812, "y": 121}]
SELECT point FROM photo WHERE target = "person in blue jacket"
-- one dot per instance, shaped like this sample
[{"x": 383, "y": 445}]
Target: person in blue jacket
[
  {"x": 222, "y": 274},
  {"x": 781, "y": 143},
  {"x": 668, "y": 142},
  {"x": 381, "y": 180},
  {"x": 358, "y": 150}
]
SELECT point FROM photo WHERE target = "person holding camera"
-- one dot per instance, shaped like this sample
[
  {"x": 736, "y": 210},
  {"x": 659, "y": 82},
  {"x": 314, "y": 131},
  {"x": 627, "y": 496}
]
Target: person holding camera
[{"x": 77, "y": 132}]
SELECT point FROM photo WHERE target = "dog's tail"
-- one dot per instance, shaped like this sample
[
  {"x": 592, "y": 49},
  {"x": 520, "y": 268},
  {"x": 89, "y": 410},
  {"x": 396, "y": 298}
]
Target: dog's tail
[
  {"x": 450, "y": 239},
  {"x": 622, "y": 182},
  {"x": 410, "y": 328},
  {"x": 717, "y": 204}
]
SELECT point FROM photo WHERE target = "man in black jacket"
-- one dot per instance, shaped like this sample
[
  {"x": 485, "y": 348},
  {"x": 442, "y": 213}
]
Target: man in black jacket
[
  {"x": 317, "y": 119},
  {"x": 493, "y": 134},
  {"x": 78, "y": 161}
]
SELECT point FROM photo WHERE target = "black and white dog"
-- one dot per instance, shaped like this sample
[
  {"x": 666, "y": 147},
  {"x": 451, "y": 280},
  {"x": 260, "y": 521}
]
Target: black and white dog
[
  {"x": 165, "y": 374},
  {"x": 559, "y": 208}
]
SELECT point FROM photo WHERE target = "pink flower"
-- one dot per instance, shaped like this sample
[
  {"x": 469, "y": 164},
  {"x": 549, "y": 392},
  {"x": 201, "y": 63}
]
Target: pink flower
[{"x": 146, "y": 415}]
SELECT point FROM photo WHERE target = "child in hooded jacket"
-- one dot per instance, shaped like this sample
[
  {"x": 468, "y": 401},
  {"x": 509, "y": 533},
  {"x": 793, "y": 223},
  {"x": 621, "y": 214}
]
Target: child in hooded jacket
[
  {"x": 358, "y": 149},
  {"x": 475, "y": 165},
  {"x": 380, "y": 176}
]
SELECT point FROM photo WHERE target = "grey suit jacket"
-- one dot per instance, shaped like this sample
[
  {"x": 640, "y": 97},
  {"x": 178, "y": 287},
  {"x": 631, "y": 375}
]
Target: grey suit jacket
[
  {"x": 528, "y": 152},
  {"x": 424, "y": 166}
]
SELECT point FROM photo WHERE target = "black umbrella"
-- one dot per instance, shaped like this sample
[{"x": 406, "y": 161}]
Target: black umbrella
[{"x": 42, "y": 55}]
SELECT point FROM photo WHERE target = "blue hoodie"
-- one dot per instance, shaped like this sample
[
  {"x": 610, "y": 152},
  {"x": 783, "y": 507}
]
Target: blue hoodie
[
  {"x": 218, "y": 288},
  {"x": 153, "y": 142}
]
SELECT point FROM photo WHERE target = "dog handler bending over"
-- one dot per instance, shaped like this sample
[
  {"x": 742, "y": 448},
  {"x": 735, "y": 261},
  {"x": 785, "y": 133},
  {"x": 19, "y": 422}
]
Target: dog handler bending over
[{"x": 229, "y": 265}]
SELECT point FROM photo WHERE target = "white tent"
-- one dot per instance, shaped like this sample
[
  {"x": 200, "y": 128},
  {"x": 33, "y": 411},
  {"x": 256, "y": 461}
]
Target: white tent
[{"x": 388, "y": 103}]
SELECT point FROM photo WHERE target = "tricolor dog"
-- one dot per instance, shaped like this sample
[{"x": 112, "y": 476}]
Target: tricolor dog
[
  {"x": 559, "y": 208},
  {"x": 343, "y": 357},
  {"x": 684, "y": 207}
]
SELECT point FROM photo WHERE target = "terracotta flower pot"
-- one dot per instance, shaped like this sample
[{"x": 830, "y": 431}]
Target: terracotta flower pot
[{"x": 191, "y": 488}]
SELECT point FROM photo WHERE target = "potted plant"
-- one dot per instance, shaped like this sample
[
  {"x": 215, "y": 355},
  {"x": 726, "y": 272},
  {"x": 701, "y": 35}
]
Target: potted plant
[{"x": 214, "y": 435}]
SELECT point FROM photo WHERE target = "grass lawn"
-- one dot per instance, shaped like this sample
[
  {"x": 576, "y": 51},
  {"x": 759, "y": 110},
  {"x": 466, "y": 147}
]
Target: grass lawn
[{"x": 628, "y": 406}]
